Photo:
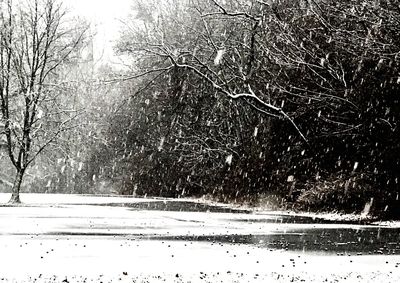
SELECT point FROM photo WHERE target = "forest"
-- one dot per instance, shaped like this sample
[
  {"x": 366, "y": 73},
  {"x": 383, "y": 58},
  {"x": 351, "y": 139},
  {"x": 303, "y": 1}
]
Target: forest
[{"x": 294, "y": 103}]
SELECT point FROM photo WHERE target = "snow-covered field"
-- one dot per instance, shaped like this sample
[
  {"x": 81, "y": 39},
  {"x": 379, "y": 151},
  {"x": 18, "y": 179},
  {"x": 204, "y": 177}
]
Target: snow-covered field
[{"x": 115, "y": 239}]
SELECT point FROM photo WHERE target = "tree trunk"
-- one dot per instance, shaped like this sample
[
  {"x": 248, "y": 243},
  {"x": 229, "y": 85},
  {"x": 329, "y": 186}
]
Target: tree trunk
[{"x": 16, "y": 188}]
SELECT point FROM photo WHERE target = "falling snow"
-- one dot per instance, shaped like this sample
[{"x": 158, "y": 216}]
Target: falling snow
[
  {"x": 199, "y": 141},
  {"x": 228, "y": 159},
  {"x": 219, "y": 56}
]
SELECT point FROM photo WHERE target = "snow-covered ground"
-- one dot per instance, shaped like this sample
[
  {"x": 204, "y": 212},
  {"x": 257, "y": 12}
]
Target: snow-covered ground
[{"x": 115, "y": 239}]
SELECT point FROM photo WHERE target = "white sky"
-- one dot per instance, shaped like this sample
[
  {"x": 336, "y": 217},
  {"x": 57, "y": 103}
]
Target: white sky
[{"x": 105, "y": 17}]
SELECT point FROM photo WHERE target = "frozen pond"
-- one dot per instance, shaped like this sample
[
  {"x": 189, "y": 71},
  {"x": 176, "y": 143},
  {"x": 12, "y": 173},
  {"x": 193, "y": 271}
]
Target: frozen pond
[{"x": 114, "y": 239}]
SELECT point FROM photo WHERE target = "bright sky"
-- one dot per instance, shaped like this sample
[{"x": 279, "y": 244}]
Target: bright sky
[{"x": 105, "y": 17}]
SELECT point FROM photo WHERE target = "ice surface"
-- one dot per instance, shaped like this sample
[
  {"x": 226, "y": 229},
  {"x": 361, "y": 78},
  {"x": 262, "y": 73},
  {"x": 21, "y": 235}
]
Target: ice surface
[{"x": 86, "y": 238}]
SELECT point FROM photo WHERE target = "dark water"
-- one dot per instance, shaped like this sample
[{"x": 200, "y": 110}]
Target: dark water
[
  {"x": 339, "y": 241},
  {"x": 170, "y": 205},
  {"x": 331, "y": 238},
  {"x": 366, "y": 240}
]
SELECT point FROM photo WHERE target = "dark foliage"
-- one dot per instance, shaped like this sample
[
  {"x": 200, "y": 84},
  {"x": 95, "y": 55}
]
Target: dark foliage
[{"x": 330, "y": 68}]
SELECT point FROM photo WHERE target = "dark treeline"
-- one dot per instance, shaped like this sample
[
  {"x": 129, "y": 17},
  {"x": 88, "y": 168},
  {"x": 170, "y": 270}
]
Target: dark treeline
[{"x": 243, "y": 99}]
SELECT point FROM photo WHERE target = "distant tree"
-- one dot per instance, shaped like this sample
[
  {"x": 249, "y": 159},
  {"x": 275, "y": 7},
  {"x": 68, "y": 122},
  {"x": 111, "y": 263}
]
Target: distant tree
[{"x": 35, "y": 40}]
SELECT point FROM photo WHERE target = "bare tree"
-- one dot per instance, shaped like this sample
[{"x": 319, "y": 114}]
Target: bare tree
[
  {"x": 33, "y": 45},
  {"x": 206, "y": 39}
]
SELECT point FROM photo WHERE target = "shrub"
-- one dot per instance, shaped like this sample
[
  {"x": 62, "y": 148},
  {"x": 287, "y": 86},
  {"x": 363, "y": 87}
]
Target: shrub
[{"x": 346, "y": 194}]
